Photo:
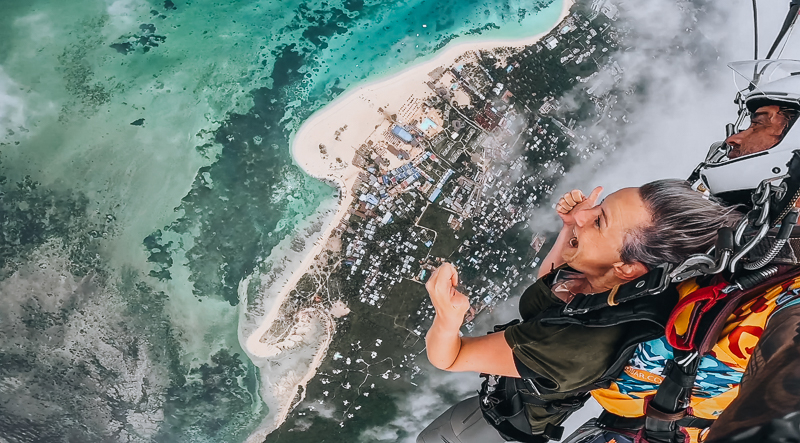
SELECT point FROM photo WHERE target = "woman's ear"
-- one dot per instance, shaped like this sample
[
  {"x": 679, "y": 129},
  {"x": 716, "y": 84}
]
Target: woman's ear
[{"x": 629, "y": 271}]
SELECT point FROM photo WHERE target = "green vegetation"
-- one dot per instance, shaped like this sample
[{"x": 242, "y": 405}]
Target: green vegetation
[
  {"x": 541, "y": 72},
  {"x": 435, "y": 217},
  {"x": 403, "y": 301},
  {"x": 356, "y": 338}
]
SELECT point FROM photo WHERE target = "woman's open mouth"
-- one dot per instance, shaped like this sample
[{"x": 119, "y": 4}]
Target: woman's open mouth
[{"x": 574, "y": 240}]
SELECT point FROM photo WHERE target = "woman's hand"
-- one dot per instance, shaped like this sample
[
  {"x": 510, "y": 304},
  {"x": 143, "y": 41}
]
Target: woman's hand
[
  {"x": 450, "y": 305},
  {"x": 573, "y": 200},
  {"x": 566, "y": 208},
  {"x": 446, "y": 348}
]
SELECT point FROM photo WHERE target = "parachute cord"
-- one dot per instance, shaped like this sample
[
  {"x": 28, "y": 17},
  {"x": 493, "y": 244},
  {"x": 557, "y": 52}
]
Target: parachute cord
[
  {"x": 788, "y": 37},
  {"x": 755, "y": 30},
  {"x": 787, "y": 23}
]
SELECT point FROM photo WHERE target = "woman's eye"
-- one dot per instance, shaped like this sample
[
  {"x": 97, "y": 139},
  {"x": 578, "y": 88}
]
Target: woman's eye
[{"x": 597, "y": 222}]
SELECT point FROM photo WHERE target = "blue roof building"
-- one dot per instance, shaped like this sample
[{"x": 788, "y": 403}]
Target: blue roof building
[
  {"x": 402, "y": 134},
  {"x": 435, "y": 195}
]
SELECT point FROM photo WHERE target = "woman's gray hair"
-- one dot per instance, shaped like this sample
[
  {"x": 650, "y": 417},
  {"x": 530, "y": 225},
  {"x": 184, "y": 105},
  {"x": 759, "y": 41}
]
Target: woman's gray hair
[{"x": 684, "y": 222}]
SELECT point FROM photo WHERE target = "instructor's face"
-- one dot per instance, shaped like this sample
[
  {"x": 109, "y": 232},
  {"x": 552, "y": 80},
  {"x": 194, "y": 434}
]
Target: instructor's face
[
  {"x": 600, "y": 232},
  {"x": 765, "y": 131}
]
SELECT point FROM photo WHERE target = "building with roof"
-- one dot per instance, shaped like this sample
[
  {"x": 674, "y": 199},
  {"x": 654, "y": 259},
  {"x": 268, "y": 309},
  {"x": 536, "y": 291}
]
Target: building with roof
[
  {"x": 402, "y": 134},
  {"x": 435, "y": 195}
]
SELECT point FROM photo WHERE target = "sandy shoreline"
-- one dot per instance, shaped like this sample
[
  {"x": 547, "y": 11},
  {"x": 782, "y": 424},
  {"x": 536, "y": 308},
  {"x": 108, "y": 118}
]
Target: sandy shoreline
[{"x": 357, "y": 111}]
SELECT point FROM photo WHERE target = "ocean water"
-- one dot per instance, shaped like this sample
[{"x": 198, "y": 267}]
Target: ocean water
[{"x": 145, "y": 173}]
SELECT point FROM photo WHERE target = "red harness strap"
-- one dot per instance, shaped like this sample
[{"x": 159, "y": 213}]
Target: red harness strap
[{"x": 704, "y": 299}]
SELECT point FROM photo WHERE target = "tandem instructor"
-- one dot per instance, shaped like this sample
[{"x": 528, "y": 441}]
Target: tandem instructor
[{"x": 545, "y": 365}]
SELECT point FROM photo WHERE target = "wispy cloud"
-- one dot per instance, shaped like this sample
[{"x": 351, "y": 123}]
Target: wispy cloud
[
  {"x": 12, "y": 108},
  {"x": 435, "y": 395}
]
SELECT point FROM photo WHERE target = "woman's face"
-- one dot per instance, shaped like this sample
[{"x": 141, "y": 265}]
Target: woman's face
[{"x": 601, "y": 230}]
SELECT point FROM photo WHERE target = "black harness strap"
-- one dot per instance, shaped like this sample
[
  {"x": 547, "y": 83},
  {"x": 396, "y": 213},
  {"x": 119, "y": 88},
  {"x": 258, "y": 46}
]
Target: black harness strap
[
  {"x": 669, "y": 404},
  {"x": 504, "y": 408},
  {"x": 613, "y": 421},
  {"x": 556, "y": 406}
]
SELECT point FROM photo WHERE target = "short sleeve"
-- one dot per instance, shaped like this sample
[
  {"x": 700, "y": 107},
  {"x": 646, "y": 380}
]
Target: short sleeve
[
  {"x": 567, "y": 357},
  {"x": 536, "y": 299}
]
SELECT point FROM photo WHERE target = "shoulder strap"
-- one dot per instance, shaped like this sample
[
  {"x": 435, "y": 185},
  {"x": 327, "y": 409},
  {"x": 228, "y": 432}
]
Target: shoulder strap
[
  {"x": 648, "y": 299},
  {"x": 652, "y": 283}
]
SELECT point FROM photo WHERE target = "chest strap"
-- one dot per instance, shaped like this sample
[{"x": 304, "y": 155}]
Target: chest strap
[{"x": 669, "y": 405}]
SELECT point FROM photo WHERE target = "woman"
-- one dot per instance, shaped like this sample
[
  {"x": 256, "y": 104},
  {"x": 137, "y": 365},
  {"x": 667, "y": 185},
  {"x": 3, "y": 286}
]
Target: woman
[{"x": 600, "y": 247}]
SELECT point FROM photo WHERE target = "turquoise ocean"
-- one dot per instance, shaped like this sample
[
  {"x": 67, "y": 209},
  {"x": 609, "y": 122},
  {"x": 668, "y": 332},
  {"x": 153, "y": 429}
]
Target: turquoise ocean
[{"x": 145, "y": 173}]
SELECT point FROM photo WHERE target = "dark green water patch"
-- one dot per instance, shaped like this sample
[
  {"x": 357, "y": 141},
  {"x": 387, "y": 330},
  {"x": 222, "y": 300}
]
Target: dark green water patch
[
  {"x": 354, "y": 5},
  {"x": 323, "y": 23},
  {"x": 145, "y": 40},
  {"x": 214, "y": 403},
  {"x": 31, "y": 215},
  {"x": 255, "y": 186}
]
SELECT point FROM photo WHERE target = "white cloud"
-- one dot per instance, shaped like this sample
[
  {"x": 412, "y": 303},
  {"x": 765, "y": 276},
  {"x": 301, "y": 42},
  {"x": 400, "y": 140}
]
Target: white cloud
[
  {"x": 36, "y": 27},
  {"x": 12, "y": 108},
  {"x": 434, "y": 396}
]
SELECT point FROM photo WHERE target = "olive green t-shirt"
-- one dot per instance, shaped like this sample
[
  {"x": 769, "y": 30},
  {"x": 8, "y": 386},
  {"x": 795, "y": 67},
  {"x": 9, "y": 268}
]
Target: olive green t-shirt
[{"x": 563, "y": 357}]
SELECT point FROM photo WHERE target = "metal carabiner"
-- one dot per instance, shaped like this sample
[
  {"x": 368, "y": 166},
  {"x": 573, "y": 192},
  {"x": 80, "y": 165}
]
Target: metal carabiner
[
  {"x": 763, "y": 218},
  {"x": 693, "y": 266}
]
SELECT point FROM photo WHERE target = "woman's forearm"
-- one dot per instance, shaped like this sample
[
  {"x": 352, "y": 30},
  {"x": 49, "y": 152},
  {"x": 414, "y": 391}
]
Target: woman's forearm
[
  {"x": 443, "y": 343},
  {"x": 554, "y": 258}
]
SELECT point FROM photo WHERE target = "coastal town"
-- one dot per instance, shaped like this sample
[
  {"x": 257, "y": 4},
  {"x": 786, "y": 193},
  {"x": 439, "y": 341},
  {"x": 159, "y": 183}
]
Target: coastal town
[{"x": 462, "y": 171}]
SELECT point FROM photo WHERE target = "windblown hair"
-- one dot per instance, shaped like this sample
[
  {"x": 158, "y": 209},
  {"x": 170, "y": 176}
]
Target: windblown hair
[{"x": 684, "y": 222}]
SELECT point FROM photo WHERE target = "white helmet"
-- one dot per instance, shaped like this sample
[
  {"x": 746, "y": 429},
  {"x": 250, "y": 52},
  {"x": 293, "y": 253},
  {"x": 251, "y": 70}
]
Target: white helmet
[
  {"x": 768, "y": 82},
  {"x": 760, "y": 83}
]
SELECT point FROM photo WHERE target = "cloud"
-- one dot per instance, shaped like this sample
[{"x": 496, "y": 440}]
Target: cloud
[
  {"x": 431, "y": 398},
  {"x": 12, "y": 108}
]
